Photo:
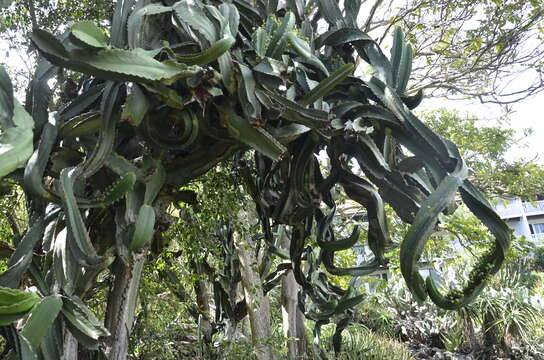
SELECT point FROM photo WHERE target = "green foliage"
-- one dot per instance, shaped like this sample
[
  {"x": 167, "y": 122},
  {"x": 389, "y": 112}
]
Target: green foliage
[
  {"x": 377, "y": 317},
  {"x": 484, "y": 147},
  {"x": 460, "y": 60},
  {"x": 538, "y": 261},
  {"x": 361, "y": 343},
  {"x": 220, "y": 80},
  {"x": 508, "y": 313},
  {"x": 18, "y": 18},
  {"x": 504, "y": 319},
  {"x": 163, "y": 327},
  {"x": 212, "y": 200}
]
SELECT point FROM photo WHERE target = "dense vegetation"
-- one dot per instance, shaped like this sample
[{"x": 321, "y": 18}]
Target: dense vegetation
[{"x": 180, "y": 179}]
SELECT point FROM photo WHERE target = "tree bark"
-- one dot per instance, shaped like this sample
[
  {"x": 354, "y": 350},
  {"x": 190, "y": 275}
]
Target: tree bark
[
  {"x": 293, "y": 319},
  {"x": 302, "y": 340},
  {"x": 258, "y": 307},
  {"x": 203, "y": 305},
  {"x": 237, "y": 300},
  {"x": 121, "y": 306},
  {"x": 471, "y": 341},
  {"x": 490, "y": 333},
  {"x": 70, "y": 346}
]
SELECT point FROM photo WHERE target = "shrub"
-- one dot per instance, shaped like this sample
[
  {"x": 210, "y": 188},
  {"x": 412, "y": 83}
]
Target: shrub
[
  {"x": 538, "y": 258},
  {"x": 359, "y": 342}
]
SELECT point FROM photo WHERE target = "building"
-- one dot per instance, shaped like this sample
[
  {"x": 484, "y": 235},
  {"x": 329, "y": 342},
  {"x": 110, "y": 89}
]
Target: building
[{"x": 526, "y": 218}]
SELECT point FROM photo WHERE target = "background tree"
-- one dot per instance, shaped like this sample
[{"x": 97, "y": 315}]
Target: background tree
[
  {"x": 464, "y": 49},
  {"x": 21, "y": 16},
  {"x": 484, "y": 146},
  {"x": 468, "y": 49}
]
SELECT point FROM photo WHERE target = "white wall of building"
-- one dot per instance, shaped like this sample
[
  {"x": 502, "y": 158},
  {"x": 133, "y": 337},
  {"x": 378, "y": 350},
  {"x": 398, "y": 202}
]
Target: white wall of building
[{"x": 524, "y": 217}]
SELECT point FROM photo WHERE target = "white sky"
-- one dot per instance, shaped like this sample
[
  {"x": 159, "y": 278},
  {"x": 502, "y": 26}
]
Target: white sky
[{"x": 528, "y": 113}]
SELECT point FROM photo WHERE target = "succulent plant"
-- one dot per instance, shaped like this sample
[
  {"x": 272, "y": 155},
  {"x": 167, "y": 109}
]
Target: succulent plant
[{"x": 178, "y": 89}]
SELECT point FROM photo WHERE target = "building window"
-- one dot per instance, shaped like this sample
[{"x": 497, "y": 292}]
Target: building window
[{"x": 537, "y": 228}]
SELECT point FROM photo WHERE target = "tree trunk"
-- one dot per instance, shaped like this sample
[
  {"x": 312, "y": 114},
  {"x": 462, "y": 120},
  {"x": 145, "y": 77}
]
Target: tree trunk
[
  {"x": 508, "y": 339},
  {"x": 507, "y": 342},
  {"x": 203, "y": 305},
  {"x": 489, "y": 330},
  {"x": 234, "y": 328},
  {"x": 121, "y": 306},
  {"x": 302, "y": 340},
  {"x": 293, "y": 319},
  {"x": 471, "y": 341},
  {"x": 70, "y": 345},
  {"x": 258, "y": 307}
]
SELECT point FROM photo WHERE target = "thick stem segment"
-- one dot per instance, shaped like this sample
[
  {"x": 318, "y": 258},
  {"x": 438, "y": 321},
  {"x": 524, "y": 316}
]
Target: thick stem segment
[
  {"x": 121, "y": 305},
  {"x": 70, "y": 346},
  {"x": 293, "y": 319}
]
